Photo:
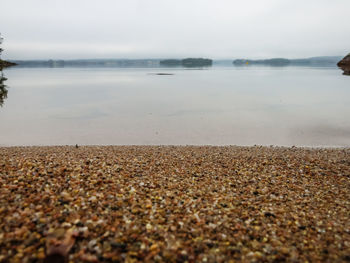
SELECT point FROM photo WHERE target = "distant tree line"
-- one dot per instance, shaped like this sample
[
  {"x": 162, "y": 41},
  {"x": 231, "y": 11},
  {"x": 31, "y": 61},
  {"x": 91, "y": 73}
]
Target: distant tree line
[
  {"x": 187, "y": 62},
  {"x": 270, "y": 62},
  {"x": 280, "y": 62},
  {"x": 89, "y": 63}
]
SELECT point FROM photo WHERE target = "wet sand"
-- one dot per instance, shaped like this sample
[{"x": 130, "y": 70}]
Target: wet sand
[{"x": 174, "y": 204}]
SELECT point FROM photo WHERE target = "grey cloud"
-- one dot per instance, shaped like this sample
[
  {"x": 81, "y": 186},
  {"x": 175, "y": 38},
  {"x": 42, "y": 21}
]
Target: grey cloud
[{"x": 168, "y": 28}]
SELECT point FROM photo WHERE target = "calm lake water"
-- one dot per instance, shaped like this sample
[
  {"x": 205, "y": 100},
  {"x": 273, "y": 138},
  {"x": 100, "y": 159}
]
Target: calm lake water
[{"x": 219, "y": 106}]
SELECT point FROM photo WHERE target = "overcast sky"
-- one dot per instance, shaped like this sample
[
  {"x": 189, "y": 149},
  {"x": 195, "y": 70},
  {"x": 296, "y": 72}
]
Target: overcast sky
[{"x": 70, "y": 29}]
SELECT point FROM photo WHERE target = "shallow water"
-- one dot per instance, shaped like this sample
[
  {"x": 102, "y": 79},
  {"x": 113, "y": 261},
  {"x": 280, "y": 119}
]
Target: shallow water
[{"x": 219, "y": 106}]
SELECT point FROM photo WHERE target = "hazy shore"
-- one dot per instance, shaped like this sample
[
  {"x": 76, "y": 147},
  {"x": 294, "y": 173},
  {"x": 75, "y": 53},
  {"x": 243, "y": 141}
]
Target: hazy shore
[
  {"x": 175, "y": 203},
  {"x": 5, "y": 64}
]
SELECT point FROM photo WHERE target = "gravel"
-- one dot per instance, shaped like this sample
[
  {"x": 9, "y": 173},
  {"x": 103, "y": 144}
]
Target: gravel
[{"x": 174, "y": 204}]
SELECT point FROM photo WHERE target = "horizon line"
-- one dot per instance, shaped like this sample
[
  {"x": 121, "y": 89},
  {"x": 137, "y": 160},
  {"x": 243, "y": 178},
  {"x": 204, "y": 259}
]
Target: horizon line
[{"x": 153, "y": 58}]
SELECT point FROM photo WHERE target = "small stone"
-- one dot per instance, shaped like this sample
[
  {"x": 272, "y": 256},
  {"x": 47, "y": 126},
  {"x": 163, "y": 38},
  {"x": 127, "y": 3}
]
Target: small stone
[
  {"x": 149, "y": 227},
  {"x": 154, "y": 247},
  {"x": 93, "y": 199},
  {"x": 92, "y": 243}
]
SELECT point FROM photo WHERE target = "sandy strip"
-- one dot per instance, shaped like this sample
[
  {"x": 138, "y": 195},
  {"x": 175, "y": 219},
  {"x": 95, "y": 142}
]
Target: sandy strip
[{"x": 174, "y": 204}]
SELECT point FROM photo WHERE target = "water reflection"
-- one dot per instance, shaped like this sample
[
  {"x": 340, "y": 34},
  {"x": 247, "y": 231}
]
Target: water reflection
[
  {"x": 219, "y": 106},
  {"x": 346, "y": 71},
  {"x": 344, "y": 64},
  {"x": 3, "y": 88}
]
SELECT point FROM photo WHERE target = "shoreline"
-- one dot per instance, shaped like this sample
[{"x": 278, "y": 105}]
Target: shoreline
[
  {"x": 335, "y": 147},
  {"x": 5, "y": 64},
  {"x": 174, "y": 203}
]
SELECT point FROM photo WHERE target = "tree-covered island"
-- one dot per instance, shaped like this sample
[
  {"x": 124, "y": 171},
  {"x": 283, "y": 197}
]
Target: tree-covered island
[
  {"x": 268, "y": 62},
  {"x": 187, "y": 62},
  {"x": 324, "y": 61}
]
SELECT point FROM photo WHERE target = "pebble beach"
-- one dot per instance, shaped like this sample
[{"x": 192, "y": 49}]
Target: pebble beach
[{"x": 174, "y": 204}]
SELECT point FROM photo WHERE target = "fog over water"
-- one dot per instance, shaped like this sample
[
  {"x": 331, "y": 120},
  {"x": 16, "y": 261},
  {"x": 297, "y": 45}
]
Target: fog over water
[{"x": 64, "y": 29}]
